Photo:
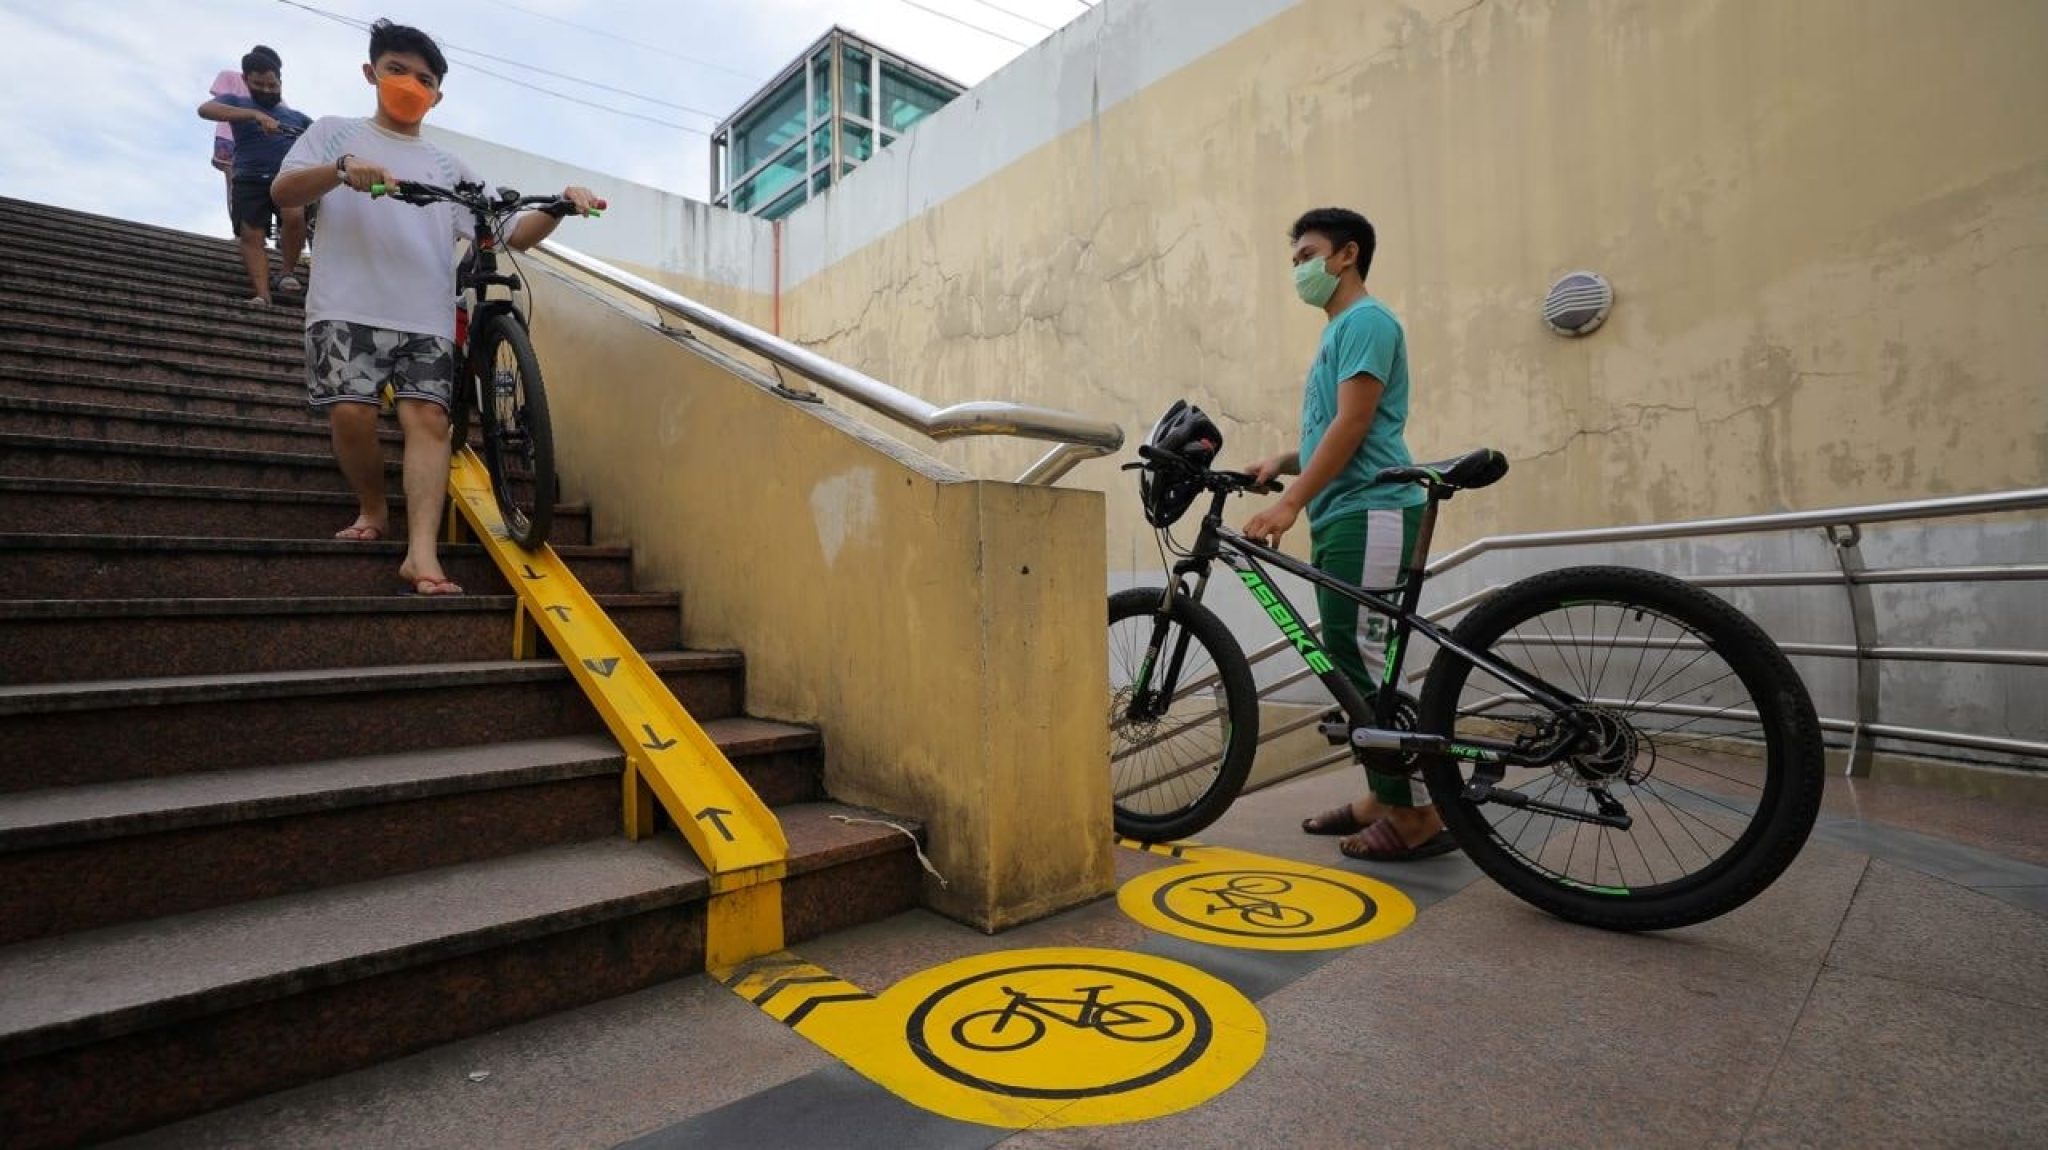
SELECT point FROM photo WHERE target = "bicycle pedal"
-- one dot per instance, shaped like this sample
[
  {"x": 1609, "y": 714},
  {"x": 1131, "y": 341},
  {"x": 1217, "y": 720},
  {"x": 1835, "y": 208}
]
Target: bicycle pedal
[{"x": 1335, "y": 728}]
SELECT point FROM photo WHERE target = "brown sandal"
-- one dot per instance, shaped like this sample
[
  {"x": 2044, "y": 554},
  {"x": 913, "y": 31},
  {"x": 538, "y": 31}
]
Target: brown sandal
[
  {"x": 1380, "y": 842},
  {"x": 1335, "y": 821}
]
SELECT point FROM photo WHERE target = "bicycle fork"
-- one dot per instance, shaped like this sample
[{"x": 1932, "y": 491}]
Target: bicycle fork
[{"x": 1148, "y": 702}]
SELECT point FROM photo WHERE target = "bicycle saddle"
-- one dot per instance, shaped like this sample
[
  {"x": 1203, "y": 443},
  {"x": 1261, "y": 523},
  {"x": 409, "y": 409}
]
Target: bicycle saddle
[{"x": 1468, "y": 472}]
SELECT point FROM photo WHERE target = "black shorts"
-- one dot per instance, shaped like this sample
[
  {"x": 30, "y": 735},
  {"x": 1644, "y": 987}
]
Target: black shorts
[{"x": 250, "y": 204}]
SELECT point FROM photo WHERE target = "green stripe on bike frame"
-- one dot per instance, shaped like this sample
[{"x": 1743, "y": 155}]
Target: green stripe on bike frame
[
  {"x": 1614, "y": 890},
  {"x": 1290, "y": 624}
]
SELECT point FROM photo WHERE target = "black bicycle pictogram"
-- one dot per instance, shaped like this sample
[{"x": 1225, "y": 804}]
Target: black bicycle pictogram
[
  {"x": 1022, "y": 1023},
  {"x": 1250, "y": 897}
]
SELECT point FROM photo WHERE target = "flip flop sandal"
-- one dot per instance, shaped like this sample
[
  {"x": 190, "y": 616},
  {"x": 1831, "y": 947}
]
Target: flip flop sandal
[
  {"x": 434, "y": 588},
  {"x": 360, "y": 533},
  {"x": 1335, "y": 821},
  {"x": 1380, "y": 842}
]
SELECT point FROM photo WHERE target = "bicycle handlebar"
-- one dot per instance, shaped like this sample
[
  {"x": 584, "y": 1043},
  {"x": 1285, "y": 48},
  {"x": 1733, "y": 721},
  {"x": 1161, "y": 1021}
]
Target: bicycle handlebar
[
  {"x": 1238, "y": 481},
  {"x": 472, "y": 196}
]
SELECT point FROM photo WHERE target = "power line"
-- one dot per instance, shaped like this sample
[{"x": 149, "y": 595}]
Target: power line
[
  {"x": 657, "y": 49},
  {"x": 1014, "y": 15},
  {"x": 590, "y": 103},
  {"x": 965, "y": 24},
  {"x": 362, "y": 25}
]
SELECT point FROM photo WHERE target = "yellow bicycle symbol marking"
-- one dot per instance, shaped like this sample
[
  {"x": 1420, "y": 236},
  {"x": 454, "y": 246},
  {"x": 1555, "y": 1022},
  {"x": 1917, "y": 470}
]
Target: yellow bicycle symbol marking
[
  {"x": 1250, "y": 897},
  {"x": 1230, "y": 898},
  {"x": 1023, "y": 1022}
]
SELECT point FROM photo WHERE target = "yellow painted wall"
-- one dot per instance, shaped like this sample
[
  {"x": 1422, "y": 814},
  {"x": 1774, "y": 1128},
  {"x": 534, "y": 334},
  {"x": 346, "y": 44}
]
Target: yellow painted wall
[
  {"x": 946, "y": 633},
  {"x": 1826, "y": 221},
  {"x": 757, "y": 308}
]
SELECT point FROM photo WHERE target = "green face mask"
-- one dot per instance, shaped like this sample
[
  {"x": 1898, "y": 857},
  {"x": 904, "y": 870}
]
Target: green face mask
[{"x": 1314, "y": 283}]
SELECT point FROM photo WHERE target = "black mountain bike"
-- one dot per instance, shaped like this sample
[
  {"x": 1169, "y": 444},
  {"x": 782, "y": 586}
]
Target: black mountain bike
[
  {"x": 500, "y": 378},
  {"x": 1612, "y": 745}
]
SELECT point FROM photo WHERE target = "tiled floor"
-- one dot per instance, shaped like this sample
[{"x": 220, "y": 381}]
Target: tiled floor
[{"x": 1891, "y": 988}]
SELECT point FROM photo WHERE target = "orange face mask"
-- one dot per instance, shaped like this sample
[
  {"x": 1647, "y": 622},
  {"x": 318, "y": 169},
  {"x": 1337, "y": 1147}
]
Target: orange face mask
[{"x": 404, "y": 99}]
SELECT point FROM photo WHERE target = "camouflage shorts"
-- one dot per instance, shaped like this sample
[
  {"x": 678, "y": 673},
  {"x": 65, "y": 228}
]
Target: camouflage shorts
[{"x": 351, "y": 363}]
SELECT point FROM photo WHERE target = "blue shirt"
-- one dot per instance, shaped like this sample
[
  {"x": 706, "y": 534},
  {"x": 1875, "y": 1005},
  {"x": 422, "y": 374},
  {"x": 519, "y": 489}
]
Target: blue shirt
[
  {"x": 1365, "y": 339},
  {"x": 258, "y": 153}
]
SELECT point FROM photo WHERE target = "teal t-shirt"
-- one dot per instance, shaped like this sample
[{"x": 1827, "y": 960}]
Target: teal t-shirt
[{"x": 1365, "y": 339}]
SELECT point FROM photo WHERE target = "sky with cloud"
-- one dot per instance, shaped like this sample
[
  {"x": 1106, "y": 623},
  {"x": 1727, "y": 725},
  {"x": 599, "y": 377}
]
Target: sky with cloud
[{"x": 101, "y": 95}]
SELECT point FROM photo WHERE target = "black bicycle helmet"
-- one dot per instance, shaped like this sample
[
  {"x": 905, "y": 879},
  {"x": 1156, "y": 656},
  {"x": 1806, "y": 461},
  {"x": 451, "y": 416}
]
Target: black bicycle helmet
[{"x": 1186, "y": 432}]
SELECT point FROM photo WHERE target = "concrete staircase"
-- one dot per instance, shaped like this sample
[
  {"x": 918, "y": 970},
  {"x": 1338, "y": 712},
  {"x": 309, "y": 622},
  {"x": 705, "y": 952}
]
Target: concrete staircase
[{"x": 263, "y": 819}]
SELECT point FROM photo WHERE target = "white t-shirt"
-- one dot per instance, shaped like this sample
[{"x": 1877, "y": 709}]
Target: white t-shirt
[{"x": 382, "y": 262}]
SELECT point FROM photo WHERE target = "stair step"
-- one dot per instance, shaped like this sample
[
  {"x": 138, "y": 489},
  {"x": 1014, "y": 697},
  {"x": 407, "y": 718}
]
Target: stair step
[
  {"x": 113, "y": 507},
  {"x": 28, "y": 285},
  {"x": 228, "y": 350},
  {"x": 193, "y": 1012},
  {"x": 80, "y": 640},
  {"x": 79, "y": 358},
  {"x": 304, "y": 431},
  {"x": 133, "y": 461},
  {"x": 69, "y": 734},
  {"x": 50, "y": 217},
  {"x": 80, "y": 858},
  {"x": 69, "y": 282},
  {"x": 121, "y": 250},
  {"x": 277, "y": 401},
  {"x": 119, "y": 263},
  {"x": 122, "y": 325},
  {"x": 170, "y": 567}
]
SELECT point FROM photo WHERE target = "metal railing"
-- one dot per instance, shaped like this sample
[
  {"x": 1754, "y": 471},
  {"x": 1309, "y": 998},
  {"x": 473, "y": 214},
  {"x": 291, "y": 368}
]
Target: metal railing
[
  {"x": 1078, "y": 436},
  {"x": 1843, "y": 527}
]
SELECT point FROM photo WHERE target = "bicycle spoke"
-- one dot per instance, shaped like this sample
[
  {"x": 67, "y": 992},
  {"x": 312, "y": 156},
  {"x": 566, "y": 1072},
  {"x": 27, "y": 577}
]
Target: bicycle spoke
[{"x": 1697, "y": 732}]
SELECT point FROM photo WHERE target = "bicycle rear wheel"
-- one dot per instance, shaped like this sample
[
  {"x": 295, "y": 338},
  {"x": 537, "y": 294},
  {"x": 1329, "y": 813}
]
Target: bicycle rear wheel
[
  {"x": 1176, "y": 764},
  {"x": 1698, "y": 727},
  {"x": 519, "y": 441}
]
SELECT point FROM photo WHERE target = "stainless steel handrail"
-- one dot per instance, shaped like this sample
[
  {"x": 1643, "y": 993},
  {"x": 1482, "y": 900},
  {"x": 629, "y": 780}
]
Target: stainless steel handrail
[
  {"x": 1843, "y": 525},
  {"x": 1079, "y": 437}
]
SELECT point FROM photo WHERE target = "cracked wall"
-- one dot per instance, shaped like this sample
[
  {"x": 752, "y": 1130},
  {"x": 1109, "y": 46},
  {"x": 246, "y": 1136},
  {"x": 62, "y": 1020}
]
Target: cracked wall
[{"x": 1824, "y": 222}]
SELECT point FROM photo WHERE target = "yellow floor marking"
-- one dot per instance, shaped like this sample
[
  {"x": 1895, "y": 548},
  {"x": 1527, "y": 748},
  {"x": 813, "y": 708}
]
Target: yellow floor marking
[
  {"x": 1239, "y": 899},
  {"x": 1047, "y": 1037},
  {"x": 733, "y": 832}
]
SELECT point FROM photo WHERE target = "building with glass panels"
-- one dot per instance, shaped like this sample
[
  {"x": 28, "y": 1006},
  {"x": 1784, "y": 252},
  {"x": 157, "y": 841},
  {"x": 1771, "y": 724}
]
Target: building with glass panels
[{"x": 818, "y": 120}]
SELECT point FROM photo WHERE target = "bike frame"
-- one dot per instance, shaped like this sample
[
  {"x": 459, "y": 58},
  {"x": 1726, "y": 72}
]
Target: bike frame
[
  {"x": 1371, "y": 724},
  {"x": 483, "y": 275}
]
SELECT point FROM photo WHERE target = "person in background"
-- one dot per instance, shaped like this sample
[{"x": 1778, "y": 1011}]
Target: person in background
[
  {"x": 264, "y": 128},
  {"x": 229, "y": 83}
]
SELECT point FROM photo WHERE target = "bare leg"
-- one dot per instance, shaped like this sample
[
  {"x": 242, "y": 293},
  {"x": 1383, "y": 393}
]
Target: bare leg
[
  {"x": 354, "y": 430},
  {"x": 291, "y": 237},
  {"x": 256, "y": 260},
  {"x": 426, "y": 487}
]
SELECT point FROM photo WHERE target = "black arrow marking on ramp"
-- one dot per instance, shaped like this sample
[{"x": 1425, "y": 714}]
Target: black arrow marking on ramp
[
  {"x": 560, "y": 612},
  {"x": 657, "y": 743},
  {"x": 717, "y": 817},
  {"x": 603, "y": 667},
  {"x": 532, "y": 574}
]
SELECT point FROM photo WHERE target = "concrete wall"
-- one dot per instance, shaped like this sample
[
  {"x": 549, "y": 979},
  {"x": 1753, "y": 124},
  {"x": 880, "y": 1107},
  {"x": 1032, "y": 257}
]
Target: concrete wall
[
  {"x": 1824, "y": 221},
  {"x": 724, "y": 260},
  {"x": 946, "y": 633},
  {"x": 1818, "y": 217}
]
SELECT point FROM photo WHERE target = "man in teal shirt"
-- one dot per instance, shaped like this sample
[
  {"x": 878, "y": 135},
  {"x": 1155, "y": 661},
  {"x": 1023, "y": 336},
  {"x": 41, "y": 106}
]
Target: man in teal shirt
[{"x": 1352, "y": 415}]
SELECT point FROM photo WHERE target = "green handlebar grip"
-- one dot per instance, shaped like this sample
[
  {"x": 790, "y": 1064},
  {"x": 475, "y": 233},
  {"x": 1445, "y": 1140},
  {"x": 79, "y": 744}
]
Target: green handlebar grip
[
  {"x": 594, "y": 213},
  {"x": 377, "y": 189}
]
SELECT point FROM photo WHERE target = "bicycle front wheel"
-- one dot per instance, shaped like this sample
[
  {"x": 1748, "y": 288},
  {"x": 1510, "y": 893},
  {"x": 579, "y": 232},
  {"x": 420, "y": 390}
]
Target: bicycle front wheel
[
  {"x": 1179, "y": 753},
  {"x": 519, "y": 439},
  {"x": 1695, "y": 724}
]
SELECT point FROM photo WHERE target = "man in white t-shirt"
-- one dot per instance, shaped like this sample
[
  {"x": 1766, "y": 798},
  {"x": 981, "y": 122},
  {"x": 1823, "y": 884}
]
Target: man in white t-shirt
[{"x": 382, "y": 308}]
